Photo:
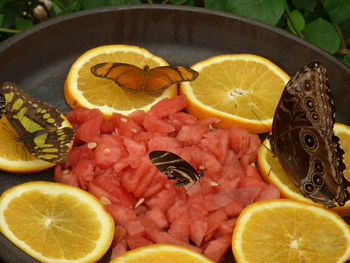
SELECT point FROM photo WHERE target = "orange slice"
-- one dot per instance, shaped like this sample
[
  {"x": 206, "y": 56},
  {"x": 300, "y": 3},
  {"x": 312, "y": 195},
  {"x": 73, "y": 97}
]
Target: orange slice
[
  {"x": 84, "y": 89},
  {"x": 14, "y": 157},
  {"x": 56, "y": 223},
  {"x": 288, "y": 231},
  {"x": 241, "y": 89},
  {"x": 273, "y": 172},
  {"x": 161, "y": 253}
]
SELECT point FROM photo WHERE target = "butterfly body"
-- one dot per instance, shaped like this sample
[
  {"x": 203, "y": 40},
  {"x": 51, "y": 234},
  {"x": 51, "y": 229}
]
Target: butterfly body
[
  {"x": 37, "y": 124},
  {"x": 174, "y": 167},
  {"x": 143, "y": 80},
  {"x": 303, "y": 138}
]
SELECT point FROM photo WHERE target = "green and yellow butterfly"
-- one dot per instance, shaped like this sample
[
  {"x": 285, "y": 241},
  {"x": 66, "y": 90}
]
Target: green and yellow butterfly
[{"x": 38, "y": 124}]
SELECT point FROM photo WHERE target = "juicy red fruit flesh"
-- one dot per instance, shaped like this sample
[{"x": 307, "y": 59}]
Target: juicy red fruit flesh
[{"x": 110, "y": 160}]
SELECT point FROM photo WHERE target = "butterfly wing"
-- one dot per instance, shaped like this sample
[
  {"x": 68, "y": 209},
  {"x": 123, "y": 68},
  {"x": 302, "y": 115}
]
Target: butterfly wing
[
  {"x": 303, "y": 138},
  {"x": 135, "y": 79},
  {"x": 33, "y": 121},
  {"x": 160, "y": 78},
  {"x": 126, "y": 76},
  {"x": 52, "y": 146},
  {"x": 2, "y": 105},
  {"x": 174, "y": 167}
]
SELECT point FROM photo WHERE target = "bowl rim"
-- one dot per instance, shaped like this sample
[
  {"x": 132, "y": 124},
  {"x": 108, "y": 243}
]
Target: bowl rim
[{"x": 7, "y": 43}]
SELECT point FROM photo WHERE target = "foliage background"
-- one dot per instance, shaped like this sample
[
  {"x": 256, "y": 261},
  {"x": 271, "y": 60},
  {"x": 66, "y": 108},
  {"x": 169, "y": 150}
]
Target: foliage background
[{"x": 325, "y": 23}]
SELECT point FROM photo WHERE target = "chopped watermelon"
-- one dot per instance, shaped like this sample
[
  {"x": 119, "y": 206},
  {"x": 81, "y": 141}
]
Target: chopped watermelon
[
  {"x": 135, "y": 228},
  {"x": 110, "y": 160}
]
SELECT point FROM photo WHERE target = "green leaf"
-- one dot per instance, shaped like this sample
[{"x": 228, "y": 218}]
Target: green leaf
[
  {"x": 308, "y": 5},
  {"x": 22, "y": 24},
  {"x": 94, "y": 3},
  {"x": 124, "y": 2},
  {"x": 346, "y": 59},
  {"x": 4, "y": 2},
  {"x": 1, "y": 19},
  {"x": 195, "y": 3},
  {"x": 338, "y": 10},
  {"x": 345, "y": 28},
  {"x": 56, "y": 9},
  {"x": 296, "y": 22},
  {"x": 323, "y": 34},
  {"x": 215, "y": 4},
  {"x": 267, "y": 11},
  {"x": 178, "y": 2}
]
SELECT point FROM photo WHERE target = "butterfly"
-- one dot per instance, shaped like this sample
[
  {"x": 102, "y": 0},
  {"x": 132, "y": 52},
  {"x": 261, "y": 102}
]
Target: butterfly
[
  {"x": 174, "y": 167},
  {"x": 37, "y": 124},
  {"x": 303, "y": 138},
  {"x": 143, "y": 80},
  {"x": 2, "y": 105}
]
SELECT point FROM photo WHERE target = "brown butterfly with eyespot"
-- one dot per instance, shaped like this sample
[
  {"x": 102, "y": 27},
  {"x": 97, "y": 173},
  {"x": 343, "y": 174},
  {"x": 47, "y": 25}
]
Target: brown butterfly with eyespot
[
  {"x": 304, "y": 141},
  {"x": 143, "y": 80}
]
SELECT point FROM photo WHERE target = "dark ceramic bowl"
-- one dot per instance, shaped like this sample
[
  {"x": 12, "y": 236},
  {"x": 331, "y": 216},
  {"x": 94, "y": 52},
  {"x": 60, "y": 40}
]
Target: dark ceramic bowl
[{"x": 39, "y": 58}]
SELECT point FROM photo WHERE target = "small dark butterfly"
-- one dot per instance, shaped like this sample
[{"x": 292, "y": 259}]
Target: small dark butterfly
[
  {"x": 143, "y": 80},
  {"x": 303, "y": 138},
  {"x": 174, "y": 167},
  {"x": 37, "y": 124}
]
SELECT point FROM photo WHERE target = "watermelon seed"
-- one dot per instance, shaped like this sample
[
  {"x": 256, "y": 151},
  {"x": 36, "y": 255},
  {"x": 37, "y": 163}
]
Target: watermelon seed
[
  {"x": 201, "y": 167},
  {"x": 105, "y": 201},
  {"x": 65, "y": 172},
  {"x": 134, "y": 130},
  {"x": 92, "y": 145},
  {"x": 107, "y": 150},
  {"x": 212, "y": 183},
  {"x": 139, "y": 202},
  {"x": 122, "y": 119}
]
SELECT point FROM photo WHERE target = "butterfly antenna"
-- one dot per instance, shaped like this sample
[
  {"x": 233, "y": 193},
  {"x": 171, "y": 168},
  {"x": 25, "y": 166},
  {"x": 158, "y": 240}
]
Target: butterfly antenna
[
  {"x": 262, "y": 123},
  {"x": 201, "y": 186},
  {"x": 146, "y": 60},
  {"x": 63, "y": 107},
  {"x": 212, "y": 182}
]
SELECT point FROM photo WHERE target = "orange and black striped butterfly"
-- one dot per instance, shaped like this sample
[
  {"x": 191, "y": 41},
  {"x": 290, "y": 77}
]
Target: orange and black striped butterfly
[{"x": 143, "y": 80}]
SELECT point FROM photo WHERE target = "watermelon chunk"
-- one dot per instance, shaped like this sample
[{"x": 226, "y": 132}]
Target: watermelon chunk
[
  {"x": 84, "y": 169},
  {"x": 164, "y": 143},
  {"x": 168, "y": 106},
  {"x": 136, "y": 151},
  {"x": 215, "y": 219},
  {"x": 158, "y": 218},
  {"x": 65, "y": 176},
  {"x": 106, "y": 155},
  {"x": 163, "y": 200},
  {"x": 135, "y": 228},
  {"x": 216, "y": 142},
  {"x": 192, "y": 134},
  {"x": 81, "y": 115},
  {"x": 110, "y": 160},
  {"x": 121, "y": 214},
  {"x": 198, "y": 228},
  {"x": 138, "y": 116},
  {"x": 180, "y": 228},
  {"x": 82, "y": 152},
  {"x": 271, "y": 192},
  {"x": 217, "y": 248},
  {"x": 89, "y": 131},
  {"x": 153, "y": 124},
  {"x": 120, "y": 248},
  {"x": 135, "y": 242}
]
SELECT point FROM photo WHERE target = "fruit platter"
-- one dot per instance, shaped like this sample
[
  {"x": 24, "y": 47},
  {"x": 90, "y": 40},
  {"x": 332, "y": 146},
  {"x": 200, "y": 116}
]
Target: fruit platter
[{"x": 178, "y": 163}]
